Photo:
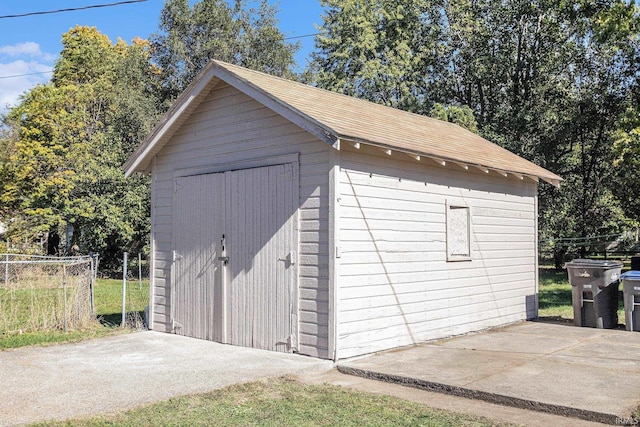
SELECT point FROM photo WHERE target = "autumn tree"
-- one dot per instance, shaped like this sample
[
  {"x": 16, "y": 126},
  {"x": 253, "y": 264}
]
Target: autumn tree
[{"x": 68, "y": 139}]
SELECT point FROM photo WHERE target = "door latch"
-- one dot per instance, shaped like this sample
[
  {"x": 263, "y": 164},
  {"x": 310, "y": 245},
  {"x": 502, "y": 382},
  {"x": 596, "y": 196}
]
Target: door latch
[{"x": 224, "y": 258}]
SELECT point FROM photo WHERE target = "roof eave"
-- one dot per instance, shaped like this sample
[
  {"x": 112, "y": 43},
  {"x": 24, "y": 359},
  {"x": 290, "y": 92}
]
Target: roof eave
[{"x": 548, "y": 177}]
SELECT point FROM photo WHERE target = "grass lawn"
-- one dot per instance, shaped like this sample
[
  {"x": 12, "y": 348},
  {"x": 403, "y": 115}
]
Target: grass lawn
[
  {"x": 108, "y": 308},
  {"x": 283, "y": 402},
  {"x": 554, "y": 296}
]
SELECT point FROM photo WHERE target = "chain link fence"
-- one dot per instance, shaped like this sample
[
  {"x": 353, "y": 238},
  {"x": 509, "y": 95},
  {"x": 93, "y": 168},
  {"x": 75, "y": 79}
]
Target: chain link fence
[
  {"x": 135, "y": 291},
  {"x": 41, "y": 292}
]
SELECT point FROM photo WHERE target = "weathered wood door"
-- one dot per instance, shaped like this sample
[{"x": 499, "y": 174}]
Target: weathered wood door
[
  {"x": 258, "y": 302},
  {"x": 261, "y": 217},
  {"x": 198, "y": 274}
]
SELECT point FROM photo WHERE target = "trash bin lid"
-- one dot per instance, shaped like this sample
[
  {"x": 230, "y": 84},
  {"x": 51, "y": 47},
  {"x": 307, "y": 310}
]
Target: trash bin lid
[
  {"x": 631, "y": 275},
  {"x": 604, "y": 264}
]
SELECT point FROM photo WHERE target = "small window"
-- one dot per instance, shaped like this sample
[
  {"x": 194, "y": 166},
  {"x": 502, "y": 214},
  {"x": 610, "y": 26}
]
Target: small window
[{"x": 458, "y": 233}]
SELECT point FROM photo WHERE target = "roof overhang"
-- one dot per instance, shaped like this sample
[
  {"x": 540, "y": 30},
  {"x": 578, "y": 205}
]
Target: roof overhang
[
  {"x": 216, "y": 72},
  {"x": 444, "y": 162}
]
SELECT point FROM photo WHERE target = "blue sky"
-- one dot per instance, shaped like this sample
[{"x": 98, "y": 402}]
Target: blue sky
[{"x": 31, "y": 44}]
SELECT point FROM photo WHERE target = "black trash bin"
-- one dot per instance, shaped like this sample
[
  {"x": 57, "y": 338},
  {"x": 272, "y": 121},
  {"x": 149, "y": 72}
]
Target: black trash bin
[
  {"x": 631, "y": 295},
  {"x": 594, "y": 292}
]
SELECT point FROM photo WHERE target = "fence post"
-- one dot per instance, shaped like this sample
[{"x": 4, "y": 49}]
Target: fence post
[
  {"x": 6, "y": 269},
  {"x": 124, "y": 290},
  {"x": 92, "y": 285},
  {"x": 139, "y": 271},
  {"x": 64, "y": 296}
]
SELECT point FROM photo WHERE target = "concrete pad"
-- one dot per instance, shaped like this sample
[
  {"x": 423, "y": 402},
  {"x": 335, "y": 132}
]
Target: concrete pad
[
  {"x": 494, "y": 412},
  {"x": 592, "y": 374},
  {"x": 117, "y": 373}
]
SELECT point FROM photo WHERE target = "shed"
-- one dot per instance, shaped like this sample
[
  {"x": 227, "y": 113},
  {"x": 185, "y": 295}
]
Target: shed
[{"x": 290, "y": 218}]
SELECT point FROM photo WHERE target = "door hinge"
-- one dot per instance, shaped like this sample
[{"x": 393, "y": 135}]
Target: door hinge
[
  {"x": 290, "y": 259},
  {"x": 176, "y": 256}
]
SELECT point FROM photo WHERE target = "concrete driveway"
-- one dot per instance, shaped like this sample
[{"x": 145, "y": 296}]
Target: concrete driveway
[
  {"x": 592, "y": 374},
  {"x": 116, "y": 373}
]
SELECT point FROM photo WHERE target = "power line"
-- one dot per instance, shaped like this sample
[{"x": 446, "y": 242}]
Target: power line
[
  {"x": 26, "y": 74},
  {"x": 303, "y": 36},
  {"x": 72, "y": 9}
]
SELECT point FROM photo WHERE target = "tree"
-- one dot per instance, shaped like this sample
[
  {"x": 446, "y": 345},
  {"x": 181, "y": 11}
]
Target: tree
[
  {"x": 620, "y": 26},
  {"x": 462, "y": 116},
  {"x": 547, "y": 79},
  {"x": 212, "y": 29},
  {"x": 68, "y": 139},
  {"x": 383, "y": 51}
]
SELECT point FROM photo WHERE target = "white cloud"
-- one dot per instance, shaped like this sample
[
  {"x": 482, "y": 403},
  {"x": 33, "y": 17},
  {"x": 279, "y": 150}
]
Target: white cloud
[
  {"x": 18, "y": 76},
  {"x": 26, "y": 50},
  {"x": 22, "y": 49},
  {"x": 22, "y": 66}
]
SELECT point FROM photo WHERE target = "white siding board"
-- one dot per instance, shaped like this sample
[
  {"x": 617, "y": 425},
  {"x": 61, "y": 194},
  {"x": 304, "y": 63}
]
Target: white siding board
[
  {"x": 389, "y": 336},
  {"x": 414, "y": 313},
  {"x": 352, "y": 301},
  {"x": 227, "y": 128},
  {"x": 226, "y": 138},
  {"x": 396, "y": 286},
  {"x": 315, "y": 340}
]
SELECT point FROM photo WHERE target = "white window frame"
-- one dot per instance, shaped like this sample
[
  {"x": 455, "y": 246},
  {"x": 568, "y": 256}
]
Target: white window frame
[{"x": 451, "y": 205}]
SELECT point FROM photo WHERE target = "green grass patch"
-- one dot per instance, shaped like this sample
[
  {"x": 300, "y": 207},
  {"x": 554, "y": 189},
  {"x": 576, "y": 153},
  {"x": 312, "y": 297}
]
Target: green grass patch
[
  {"x": 42, "y": 338},
  {"x": 283, "y": 402},
  {"x": 108, "y": 310},
  {"x": 108, "y": 299}
]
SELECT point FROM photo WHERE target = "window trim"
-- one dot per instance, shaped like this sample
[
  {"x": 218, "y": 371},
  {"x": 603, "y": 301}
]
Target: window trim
[{"x": 458, "y": 205}]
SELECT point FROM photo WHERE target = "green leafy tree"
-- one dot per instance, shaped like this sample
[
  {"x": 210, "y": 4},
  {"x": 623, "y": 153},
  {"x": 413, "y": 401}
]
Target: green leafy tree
[
  {"x": 552, "y": 80},
  {"x": 620, "y": 26},
  {"x": 462, "y": 116},
  {"x": 383, "y": 51},
  {"x": 190, "y": 36},
  {"x": 68, "y": 139}
]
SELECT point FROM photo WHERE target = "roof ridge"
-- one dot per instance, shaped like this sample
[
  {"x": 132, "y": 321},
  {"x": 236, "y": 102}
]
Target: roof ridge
[{"x": 351, "y": 98}]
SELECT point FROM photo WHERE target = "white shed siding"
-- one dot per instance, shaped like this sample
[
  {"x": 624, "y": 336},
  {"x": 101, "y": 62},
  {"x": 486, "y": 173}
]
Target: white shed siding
[
  {"x": 225, "y": 131},
  {"x": 396, "y": 286}
]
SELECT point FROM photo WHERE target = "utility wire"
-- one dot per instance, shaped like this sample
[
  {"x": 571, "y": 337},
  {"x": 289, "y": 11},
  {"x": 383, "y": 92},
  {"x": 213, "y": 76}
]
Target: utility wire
[
  {"x": 72, "y": 9},
  {"x": 582, "y": 239},
  {"x": 26, "y": 74},
  {"x": 303, "y": 36}
]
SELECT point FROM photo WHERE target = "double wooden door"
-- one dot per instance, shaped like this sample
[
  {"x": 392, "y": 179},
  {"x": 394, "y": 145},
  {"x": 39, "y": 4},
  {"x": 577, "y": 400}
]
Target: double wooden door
[{"x": 234, "y": 275}]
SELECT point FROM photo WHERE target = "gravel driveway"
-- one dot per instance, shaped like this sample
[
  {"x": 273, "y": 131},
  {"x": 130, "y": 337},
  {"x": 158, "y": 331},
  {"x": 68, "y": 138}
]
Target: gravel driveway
[{"x": 116, "y": 373}]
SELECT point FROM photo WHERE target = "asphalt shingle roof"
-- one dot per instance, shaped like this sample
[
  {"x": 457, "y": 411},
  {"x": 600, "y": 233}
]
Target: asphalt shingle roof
[{"x": 333, "y": 116}]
